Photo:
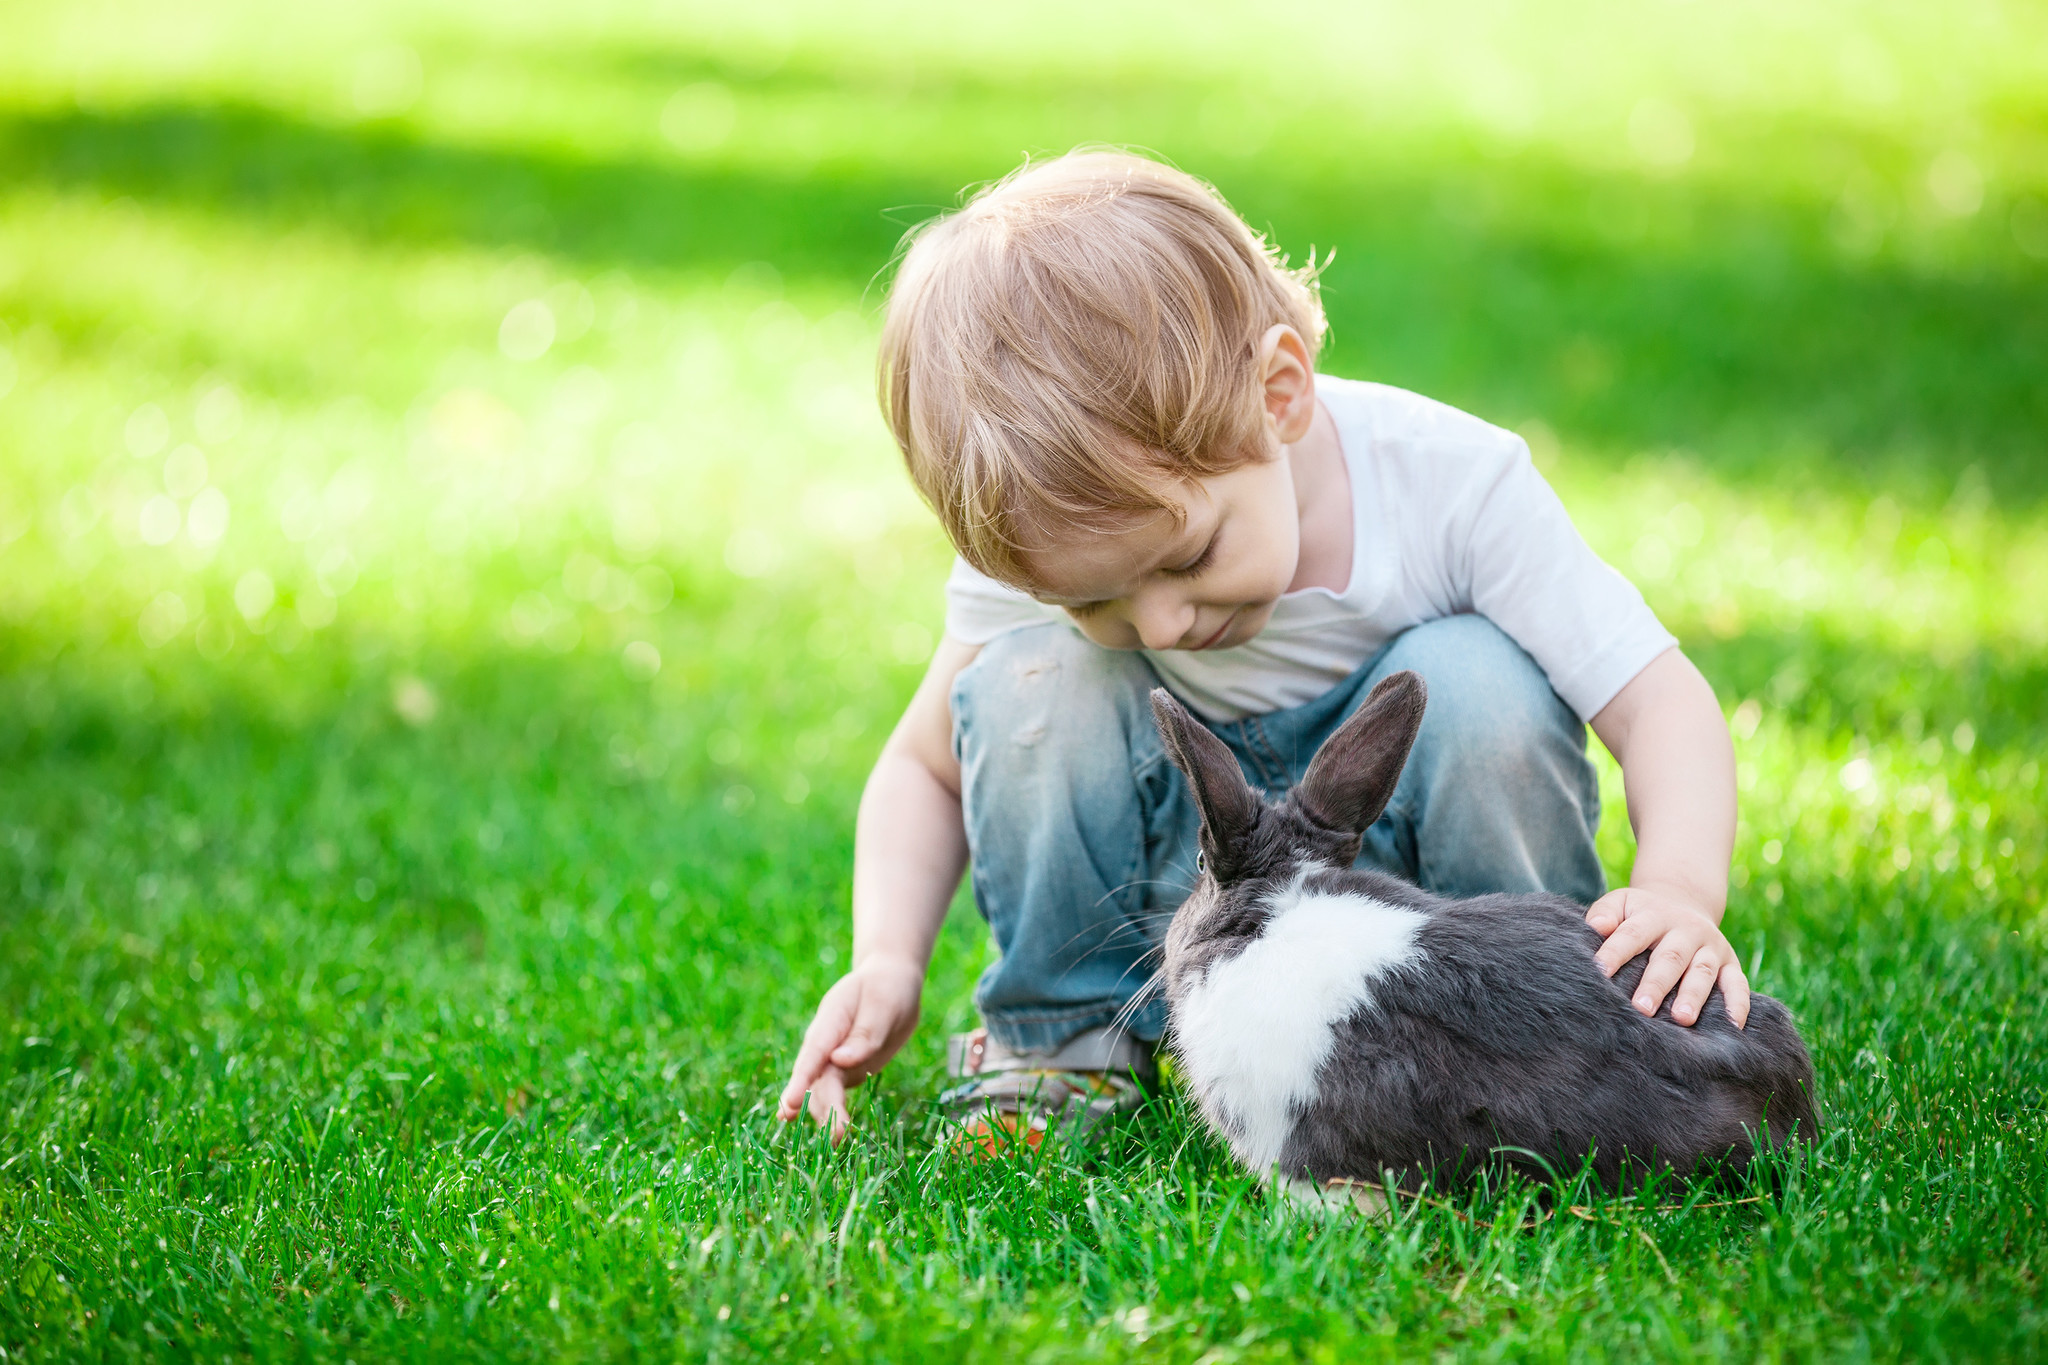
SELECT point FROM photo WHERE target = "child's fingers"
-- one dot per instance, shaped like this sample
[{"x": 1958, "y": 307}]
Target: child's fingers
[
  {"x": 1626, "y": 941},
  {"x": 828, "y": 1102},
  {"x": 810, "y": 1063},
  {"x": 791, "y": 1101},
  {"x": 1667, "y": 964},
  {"x": 1735, "y": 992},
  {"x": 869, "y": 1031},
  {"x": 1607, "y": 913},
  {"x": 827, "y": 1028},
  {"x": 1696, "y": 985}
]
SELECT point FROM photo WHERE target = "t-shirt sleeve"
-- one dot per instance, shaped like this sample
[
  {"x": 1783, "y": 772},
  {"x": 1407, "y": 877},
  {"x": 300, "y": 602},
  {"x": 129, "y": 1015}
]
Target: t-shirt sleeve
[
  {"x": 978, "y": 608},
  {"x": 1530, "y": 572}
]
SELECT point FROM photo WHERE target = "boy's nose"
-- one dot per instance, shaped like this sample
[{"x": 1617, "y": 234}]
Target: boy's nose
[{"x": 1160, "y": 625}]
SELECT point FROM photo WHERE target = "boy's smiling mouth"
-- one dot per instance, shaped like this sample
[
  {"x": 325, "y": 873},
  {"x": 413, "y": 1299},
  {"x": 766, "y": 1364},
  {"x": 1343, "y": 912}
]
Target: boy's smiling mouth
[{"x": 1221, "y": 631}]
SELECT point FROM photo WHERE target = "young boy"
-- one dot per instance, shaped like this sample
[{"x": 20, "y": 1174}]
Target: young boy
[{"x": 1104, "y": 383}]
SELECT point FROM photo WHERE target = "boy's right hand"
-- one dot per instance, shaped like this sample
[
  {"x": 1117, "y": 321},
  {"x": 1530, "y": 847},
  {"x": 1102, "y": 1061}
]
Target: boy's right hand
[{"x": 867, "y": 1015}]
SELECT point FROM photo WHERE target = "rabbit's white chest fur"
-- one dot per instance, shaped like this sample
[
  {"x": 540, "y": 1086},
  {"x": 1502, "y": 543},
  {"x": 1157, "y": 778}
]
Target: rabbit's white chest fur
[{"x": 1254, "y": 1033}]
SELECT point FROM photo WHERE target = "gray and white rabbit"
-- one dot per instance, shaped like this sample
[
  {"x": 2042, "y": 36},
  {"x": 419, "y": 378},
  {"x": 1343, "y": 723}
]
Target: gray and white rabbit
[{"x": 1335, "y": 1022}]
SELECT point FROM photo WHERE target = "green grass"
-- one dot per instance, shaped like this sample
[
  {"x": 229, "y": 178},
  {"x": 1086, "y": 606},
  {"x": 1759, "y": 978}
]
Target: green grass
[{"x": 413, "y": 891}]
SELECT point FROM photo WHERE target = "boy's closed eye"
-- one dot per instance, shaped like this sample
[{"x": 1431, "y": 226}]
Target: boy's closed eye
[{"x": 1194, "y": 568}]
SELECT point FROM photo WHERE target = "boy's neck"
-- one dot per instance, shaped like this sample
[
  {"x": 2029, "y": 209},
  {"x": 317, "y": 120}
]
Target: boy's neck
[{"x": 1322, "y": 501}]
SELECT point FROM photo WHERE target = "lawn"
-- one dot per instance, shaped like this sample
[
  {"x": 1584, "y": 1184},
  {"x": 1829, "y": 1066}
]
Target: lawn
[{"x": 453, "y": 580}]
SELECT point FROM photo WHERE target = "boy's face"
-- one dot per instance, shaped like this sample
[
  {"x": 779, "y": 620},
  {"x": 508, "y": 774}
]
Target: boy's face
[{"x": 1207, "y": 583}]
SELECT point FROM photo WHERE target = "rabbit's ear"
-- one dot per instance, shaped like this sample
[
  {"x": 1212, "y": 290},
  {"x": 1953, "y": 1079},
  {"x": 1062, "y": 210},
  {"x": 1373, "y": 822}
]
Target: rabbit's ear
[
  {"x": 1229, "y": 808},
  {"x": 1352, "y": 776}
]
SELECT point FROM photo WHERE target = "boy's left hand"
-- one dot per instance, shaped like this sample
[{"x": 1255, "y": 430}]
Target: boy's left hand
[{"x": 1688, "y": 950}]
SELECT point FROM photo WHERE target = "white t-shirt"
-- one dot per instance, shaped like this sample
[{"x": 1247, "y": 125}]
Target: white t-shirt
[{"x": 1450, "y": 516}]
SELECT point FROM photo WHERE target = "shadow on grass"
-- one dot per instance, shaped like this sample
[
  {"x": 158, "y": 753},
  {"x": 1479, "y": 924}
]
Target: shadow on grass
[
  {"x": 1627, "y": 315},
  {"x": 526, "y": 713},
  {"x": 544, "y": 775}
]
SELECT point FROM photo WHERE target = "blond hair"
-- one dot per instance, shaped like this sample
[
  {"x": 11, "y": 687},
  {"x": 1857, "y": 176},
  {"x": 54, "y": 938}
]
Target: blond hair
[{"x": 1073, "y": 343}]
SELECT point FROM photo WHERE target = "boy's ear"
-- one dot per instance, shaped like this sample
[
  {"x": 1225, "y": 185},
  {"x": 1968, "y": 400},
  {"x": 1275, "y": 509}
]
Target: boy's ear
[
  {"x": 1288, "y": 379},
  {"x": 1352, "y": 777},
  {"x": 1229, "y": 808}
]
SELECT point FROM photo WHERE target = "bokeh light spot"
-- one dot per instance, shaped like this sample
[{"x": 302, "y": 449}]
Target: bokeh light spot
[
  {"x": 414, "y": 701},
  {"x": 385, "y": 81},
  {"x": 699, "y": 117},
  {"x": 336, "y": 571},
  {"x": 317, "y": 610},
  {"x": 206, "y": 520},
  {"x": 162, "y": 619},
  {"x": 78, "y": 511},
  {"x": 641, "y": 660},
  {"x": 148, "y": 431},
  {"x": 218, "y": 415},
  {"x": 752, "y": 553},
  {"x": 1955, "y": 184},
  {"x": 185, "y": 471},
  {"x": 159, "y": 520},
  {"x": 1660, "y": 134},
  {"x": 213, "y": 638},
  {"x": 255, "y": 594},
  {"x": 910, "y": 643},
  {"x": 527, "y": 331}
]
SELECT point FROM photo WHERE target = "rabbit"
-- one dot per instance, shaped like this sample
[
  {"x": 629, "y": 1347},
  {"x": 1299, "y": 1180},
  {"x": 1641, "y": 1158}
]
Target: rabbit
[{"x": 1339, "y": 1024}]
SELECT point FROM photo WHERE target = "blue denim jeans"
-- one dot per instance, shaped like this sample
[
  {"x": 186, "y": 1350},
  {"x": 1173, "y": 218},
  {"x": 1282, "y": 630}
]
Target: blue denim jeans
[{"x": 1083, "y": 835}]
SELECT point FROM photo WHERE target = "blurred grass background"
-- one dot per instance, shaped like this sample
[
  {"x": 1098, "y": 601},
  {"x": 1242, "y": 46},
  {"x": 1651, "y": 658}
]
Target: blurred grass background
[{"x": 453, "y": 580}]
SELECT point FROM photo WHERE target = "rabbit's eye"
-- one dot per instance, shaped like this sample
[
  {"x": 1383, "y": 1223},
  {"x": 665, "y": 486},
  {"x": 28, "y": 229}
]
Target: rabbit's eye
[{"x": 1201, "y": 862}]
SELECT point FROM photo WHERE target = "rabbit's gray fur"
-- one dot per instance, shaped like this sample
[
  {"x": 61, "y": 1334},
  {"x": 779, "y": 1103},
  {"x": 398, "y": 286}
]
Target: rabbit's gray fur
[{"x": 1471, "y": 1033}]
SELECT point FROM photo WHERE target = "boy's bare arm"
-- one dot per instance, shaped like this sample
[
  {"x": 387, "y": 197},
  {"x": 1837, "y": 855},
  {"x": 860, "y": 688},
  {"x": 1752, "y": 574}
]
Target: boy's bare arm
[
  {"x": 909, "y": 848},
  {"x": 1678, "y": 767}
]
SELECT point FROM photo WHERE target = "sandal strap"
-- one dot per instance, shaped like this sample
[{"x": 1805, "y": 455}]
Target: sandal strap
[
  {"x": 977, "y": 1054},
  {"x": 1040, "y": 1099},
  {"x": 1077, "y": 1085}
]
